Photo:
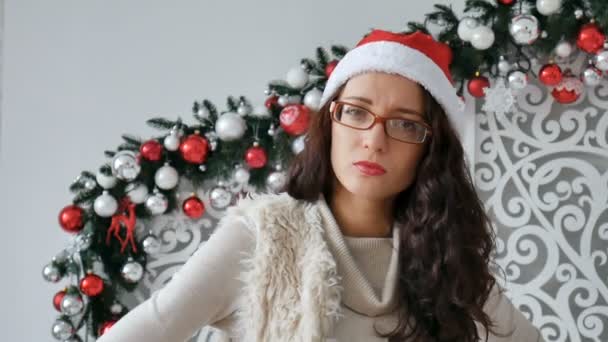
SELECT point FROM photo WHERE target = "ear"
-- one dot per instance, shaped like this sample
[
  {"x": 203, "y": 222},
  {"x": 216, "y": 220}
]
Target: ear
[{"x": 331, "y": 106}]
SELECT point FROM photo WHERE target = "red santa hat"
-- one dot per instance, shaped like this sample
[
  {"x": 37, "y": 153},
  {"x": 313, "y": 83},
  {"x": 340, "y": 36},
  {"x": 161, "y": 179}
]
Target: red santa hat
[{"x": 416, "y": 56}]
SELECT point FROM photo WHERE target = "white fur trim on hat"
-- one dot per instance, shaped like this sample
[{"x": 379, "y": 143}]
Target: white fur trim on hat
[{"x": 396, "y": 58}]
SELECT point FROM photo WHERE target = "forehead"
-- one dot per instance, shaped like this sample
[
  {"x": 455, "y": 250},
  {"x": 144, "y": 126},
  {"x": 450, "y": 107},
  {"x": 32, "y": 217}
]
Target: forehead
[{"x": 386, "y": 89}]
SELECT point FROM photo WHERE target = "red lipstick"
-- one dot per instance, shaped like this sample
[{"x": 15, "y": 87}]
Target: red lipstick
[{"x": 369, "y": 168}]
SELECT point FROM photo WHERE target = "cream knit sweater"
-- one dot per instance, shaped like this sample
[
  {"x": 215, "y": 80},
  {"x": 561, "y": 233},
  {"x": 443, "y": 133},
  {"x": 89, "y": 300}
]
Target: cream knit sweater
[{"x": 205, "y": 291}]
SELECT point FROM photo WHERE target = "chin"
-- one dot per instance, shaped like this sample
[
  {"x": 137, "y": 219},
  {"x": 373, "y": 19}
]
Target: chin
[{"x": 373, "y": 188}]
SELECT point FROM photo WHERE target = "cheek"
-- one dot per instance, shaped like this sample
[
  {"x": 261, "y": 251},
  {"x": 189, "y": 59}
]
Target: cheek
[{"x": 341, "y": 148}]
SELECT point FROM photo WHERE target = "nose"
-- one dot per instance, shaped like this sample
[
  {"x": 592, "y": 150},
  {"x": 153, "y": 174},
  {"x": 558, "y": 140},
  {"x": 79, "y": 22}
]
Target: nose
[{"x": 375, "y": 138}]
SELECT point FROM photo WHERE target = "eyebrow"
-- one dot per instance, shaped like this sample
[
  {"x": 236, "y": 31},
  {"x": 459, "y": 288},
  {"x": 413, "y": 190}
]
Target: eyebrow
[{"x": 370, "y": 102}]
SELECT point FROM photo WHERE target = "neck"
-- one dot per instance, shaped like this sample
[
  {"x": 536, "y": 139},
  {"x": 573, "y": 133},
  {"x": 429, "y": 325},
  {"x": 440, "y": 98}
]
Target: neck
[{"x": 361, "y": 217}]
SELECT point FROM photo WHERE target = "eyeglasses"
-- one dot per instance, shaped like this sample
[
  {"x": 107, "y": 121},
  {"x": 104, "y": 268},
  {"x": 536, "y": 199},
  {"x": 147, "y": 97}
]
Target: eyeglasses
[{"x": 398, "y": 128}]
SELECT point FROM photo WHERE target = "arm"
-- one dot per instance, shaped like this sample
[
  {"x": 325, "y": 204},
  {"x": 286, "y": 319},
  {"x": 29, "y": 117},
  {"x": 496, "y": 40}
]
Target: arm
[{"x": 203, "y": 291}]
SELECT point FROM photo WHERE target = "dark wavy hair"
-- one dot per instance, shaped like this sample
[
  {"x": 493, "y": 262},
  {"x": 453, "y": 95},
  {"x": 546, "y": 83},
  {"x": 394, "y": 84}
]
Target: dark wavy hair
[{"x": 445, "y": 261}]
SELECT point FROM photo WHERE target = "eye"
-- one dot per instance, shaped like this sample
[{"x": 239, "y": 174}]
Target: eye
[{"x": 353, "y": 111}]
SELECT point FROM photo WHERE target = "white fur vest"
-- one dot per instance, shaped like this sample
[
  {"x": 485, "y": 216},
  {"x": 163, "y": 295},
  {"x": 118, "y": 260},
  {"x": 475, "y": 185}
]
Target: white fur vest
[{"x": 291, "y": 290}]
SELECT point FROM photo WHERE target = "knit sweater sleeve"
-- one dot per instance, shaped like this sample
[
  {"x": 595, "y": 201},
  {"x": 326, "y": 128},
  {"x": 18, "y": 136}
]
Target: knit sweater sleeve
[{"x": 203, "y": 291}]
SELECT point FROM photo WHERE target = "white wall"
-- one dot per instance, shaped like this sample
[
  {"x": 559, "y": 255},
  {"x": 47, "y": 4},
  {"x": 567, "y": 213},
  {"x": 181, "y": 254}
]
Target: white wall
[{"x": 77, "y": 74}]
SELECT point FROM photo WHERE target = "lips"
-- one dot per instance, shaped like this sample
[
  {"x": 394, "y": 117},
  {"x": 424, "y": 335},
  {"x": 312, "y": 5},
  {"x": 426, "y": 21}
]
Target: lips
[{"x": 369, "y": 168}]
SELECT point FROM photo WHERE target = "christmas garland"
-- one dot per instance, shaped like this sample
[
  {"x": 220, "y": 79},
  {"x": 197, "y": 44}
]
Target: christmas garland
[{"x": 246, "y": 148}]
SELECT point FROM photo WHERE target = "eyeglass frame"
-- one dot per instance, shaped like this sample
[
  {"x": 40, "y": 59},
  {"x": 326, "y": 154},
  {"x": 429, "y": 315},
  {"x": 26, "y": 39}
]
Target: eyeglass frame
[{"x": 379, "y": 119}]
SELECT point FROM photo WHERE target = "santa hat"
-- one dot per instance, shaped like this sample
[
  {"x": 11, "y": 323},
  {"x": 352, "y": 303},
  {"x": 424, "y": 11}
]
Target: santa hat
[{"x": 416, "y": 56}]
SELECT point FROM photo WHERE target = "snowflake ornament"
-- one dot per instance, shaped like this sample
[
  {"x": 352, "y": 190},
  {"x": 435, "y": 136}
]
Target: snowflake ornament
[{"x": 498, "y": 99}]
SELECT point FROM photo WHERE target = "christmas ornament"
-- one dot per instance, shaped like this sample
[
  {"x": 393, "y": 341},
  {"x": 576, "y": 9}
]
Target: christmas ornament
[
  {"x": 294, "y": 119},
  {"x": 329, "y": 68},
  {"x": 298, "y": 144},
  {"x": 477, "y": 84},
  {"x": 171, "y": 141},
  {"x": 498, "y": 99},
  {"x": 517, "y": 80},
  {"x": 151, "y": 150},
  {"x": 125, "y": 217},
  {"x": 212, "y": 138},
  {"x": 297, "y": 77},
  {"x": 271, "y": 102},
  {"x": 243, "y": 109},
  {"x": 105, "y": 205},
  {"x": 132, "y": 271},
  {"x": 157, "y": 203},
  {"x": 600, "y": 60},
  {"x": 466, "y": 27},
  {"x": 83, "y": 241},
  {"x": 550, "y": 74},
  {"x": 283, "y": 100},
  {"x": 91, "y": 285},
  {"x": 71, "y": 304},
  {"x": 503, "y": 66},
  {"x": 105, "y": 327},
  {"x": 482, "y": 37},
  {"x": 524, "y": 29},
  {"x": 57, "y": 298},
  {"x": 261, "y": 112},
  {"x": 62, "y": 329},
  {"x": 230, "y": 126},
  {"x": 220, "y": 197},
  {"x": 105, "y": 181},
  {"x": 276, "y": 181},
  {"x": 151, "y": 244},
  {"x": 202, "y": 113},
  {"x": 166, "y": 177},
  {"x": 51, "y": 273},
  {"x": 124, "y": 165},
  {"x": 90, "y": 184},
  {"x": 590, "y": 38},
  {"x": 194, "y": 149},
  {"x": 137, "y": 192},
  {"x": 506, "y": 2},
  {"x": 256, "y": 157},
  {"x": 71, "y": 218},
  {"x": 591, "y": 76},
  {"x": 563, "y": 49},
  {"x": 578, "y": 13},
  {"x": 193, "y": 207},
  {"x": 241, "y": 175},
  {"x": 312, "y": 99},
  {"x": 568, "y": 90},
  {"x": 548, "y": 7},
  {"x": 116, "y": 308}
]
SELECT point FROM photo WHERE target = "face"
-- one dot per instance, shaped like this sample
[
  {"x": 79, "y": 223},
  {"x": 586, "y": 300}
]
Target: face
[{"x": 383, "y": 94}]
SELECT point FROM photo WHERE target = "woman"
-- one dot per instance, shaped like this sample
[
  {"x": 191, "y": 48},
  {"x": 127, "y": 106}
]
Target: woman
[{"x": 379, "y": 236}]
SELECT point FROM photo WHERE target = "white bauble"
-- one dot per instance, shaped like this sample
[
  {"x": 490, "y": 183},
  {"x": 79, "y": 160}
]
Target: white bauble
[
  {"x": 166, "y": 177},
  {"x": 230, "y": 126},
  {"x": 600, "y": 60},
  {"x": 105, "y": 205},
  {"x": 276, "y": 181},
  {"x": 294, "y": 99},
  {"x": 548, "y": 7},
  {"x": 171, "y": 142},
  {"x": 241, "y": 175},
  {"x": 466, "y": 27},
  {"x": 243, "y": 110},
  {"x": 106, "y": 182},
  {"x": 283, "y": 100},
  {"x": 298, "y": 144},
  {"x": 297, "y": 77},
  {"x": 504, "y": 66},
  {"x": 563, "y": 49},
  {"x": 261, "y": 111},
  {"x": 312, "y": 99},
  {"x": 482, "y": 37},
  {"x": 517, "y": 80},
  {"x": 137, "y": 192}
]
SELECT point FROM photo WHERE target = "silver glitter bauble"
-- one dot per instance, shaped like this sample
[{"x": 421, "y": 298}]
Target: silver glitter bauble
[
  {"x": 312, "y": 99},
  {"x": 517, "y": 80},
  {"x": 241, "y": 175},
  {"x": 132, "y": 271},
  {"x": 151, "y": 244},
  {"x": 166, "y": 177},
  {"x": 504, "y": 66},
  {"x": 230, "y": 126},
  {"x": 116, "y": 308},
  {"x": 466, "y": 27},
  {"x": 105, "y": 181},
  {"x": 243, "y": 109},
  {"x": 283, "y": 100},
  {"x": 297, "y": 77},
  {"x": 62, "y": 330},
  {"x": 124, "y": 165},
  {"x": 51, "y": 273},
  {"x": 298, "y": 144},
  {"x": 482, "y": 37},
  {"x": 203, "y": 112},
  {"x": 524, "y": 29},
  {"x": 220, "y": 197},
  {"x": 105, "y": 205},
  {"x": 591, "y": 76},
  {"x": 563, "y": 49},
  {"x": 276, "y": 181},
  {"x": 548, "y": 7},
  {"x": 578, "y": 13},
  {"x": 157, "y": 203},
  {"x": 171, "y": 142},
  {"x": 137, "y": 192},
  {"x": 71, "y": 304},
  {"x": 600, "y": 60},
  {"x": 90, "y": 184}
]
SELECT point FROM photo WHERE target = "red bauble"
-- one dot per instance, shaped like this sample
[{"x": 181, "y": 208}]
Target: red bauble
[
  {"x": 506, "y": 2},
  {"x": 71, "y": 218},
  {"x": 57, "y": 299},
  {"x": 256, "y": 157},
  {"x": 271, "y": 101},
  {"x": 476, "y": 85},
  {"x": 590, "y": 38},
  {"x": 329, "y": 68},
  {"x": 105, "y": 327},
  {"x": 193, "y": 207},
  {"x": 568, "y": 90},
  {"x": 194, "y": 149},
  {"x": 151, "y": 150},
  {"x": 91, "y": 285},
  {"x": 294, "y": 119},
  {"x": 550, "y": 74}
]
